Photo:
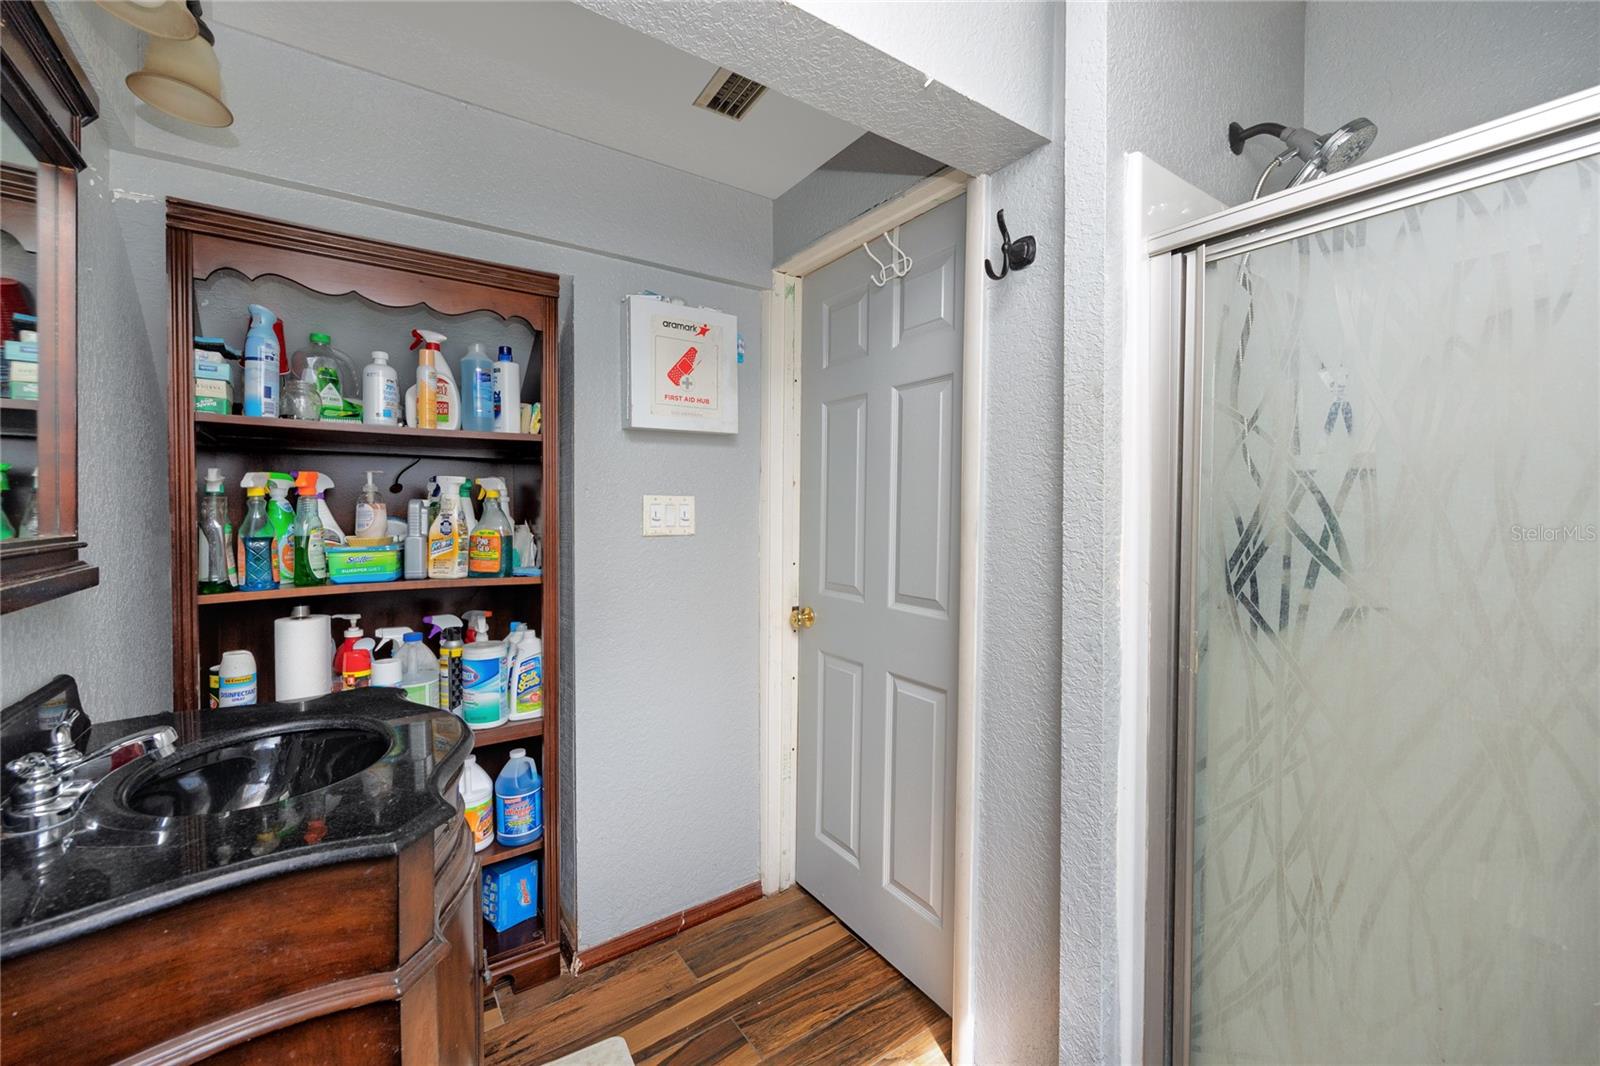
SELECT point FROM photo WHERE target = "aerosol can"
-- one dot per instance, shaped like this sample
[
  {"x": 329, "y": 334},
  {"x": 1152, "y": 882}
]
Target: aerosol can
[{"x": 447, "y": 627}]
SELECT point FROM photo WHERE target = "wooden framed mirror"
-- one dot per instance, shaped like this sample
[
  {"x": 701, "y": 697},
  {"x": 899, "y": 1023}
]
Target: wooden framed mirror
[{"x": 47, "y": 101}]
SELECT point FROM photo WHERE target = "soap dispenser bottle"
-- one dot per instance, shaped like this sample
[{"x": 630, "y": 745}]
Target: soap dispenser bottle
[{"x": 372, "y": 514}]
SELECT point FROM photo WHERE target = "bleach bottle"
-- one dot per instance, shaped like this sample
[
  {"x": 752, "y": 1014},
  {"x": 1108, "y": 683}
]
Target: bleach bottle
[
  {"x": 477, "y": 802},
  {"x": 518, "y": 801}
]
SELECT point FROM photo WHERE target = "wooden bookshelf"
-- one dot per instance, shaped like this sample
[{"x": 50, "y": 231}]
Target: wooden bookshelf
[{"x": 202, "y": 240}]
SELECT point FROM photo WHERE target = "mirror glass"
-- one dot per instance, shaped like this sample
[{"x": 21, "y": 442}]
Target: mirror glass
[{"x": 20, "y": 380}]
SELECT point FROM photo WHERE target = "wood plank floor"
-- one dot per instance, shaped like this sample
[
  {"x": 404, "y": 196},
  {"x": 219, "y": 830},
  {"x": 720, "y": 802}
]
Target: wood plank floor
[{"x": 779, "y": 981}]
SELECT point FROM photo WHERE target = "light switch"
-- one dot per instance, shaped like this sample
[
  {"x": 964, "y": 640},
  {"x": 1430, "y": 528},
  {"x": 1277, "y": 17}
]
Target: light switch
[{"x": 668, "y": 516}]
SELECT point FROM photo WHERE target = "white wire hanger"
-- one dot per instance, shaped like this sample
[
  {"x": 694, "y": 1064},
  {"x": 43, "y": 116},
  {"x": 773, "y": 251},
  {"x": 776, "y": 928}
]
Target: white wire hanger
[{"x": 897, "y": 267}]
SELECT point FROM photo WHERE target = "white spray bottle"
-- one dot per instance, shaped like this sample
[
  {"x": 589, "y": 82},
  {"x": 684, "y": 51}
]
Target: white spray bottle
[
  {"x": 332, "y": 532},
  {"x": 447, "y": 397},
  {"x": 447, "y": 556}
]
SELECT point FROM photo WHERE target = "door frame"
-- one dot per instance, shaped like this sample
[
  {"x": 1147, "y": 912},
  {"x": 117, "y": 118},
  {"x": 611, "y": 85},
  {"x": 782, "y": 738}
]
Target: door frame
[{"x": 780, "y": 551}]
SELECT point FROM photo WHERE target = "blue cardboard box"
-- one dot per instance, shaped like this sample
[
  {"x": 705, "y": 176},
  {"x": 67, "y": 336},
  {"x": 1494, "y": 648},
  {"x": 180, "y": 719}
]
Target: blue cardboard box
[
  {"x": 510, "y": 893},
  {"x": 214, "y": 369},
  {"x": 22, "y": 351}
]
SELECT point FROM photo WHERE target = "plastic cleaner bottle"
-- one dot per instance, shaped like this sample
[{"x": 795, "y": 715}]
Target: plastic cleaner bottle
[
  {"x": 518, "y": 801},
  {"x": 372, "y": 514},
  {"x": 330, "y": 372},
  {"x": 446, "y": 560},
  {"x": 447, "y": 627},
  {"x": 281, "y": 516},
  {"x": 477, "y": 803},
  {"x": 477, "y": 626},
  {"x": 477, "y": 390},
  {"x": 380, "y": 392},
  {"x": 423, "y": 397},
  {"x": 419, "y": 671},
  {"x": 489, "y": 550},
  {"x": 310, "y": 557},
  {"x": 261, "y": 357},
  {"x": 507, "y": 393},
  {"x": 218, "y": 570},
  {"x": 255, "y": 536}
]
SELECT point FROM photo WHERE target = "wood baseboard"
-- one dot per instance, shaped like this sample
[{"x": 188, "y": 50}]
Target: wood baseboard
[{"x": 671, "y": 925}]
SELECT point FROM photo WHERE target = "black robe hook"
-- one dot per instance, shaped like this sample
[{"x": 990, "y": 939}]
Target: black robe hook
[{"x": 1015, "y": 255}]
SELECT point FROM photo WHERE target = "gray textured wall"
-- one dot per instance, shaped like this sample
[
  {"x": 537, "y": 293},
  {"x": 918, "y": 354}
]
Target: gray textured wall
[
  {"x": 680, "y": 743},
  {"x": 1178, "y": 73},
  {"x": 1428, "y": 69}
]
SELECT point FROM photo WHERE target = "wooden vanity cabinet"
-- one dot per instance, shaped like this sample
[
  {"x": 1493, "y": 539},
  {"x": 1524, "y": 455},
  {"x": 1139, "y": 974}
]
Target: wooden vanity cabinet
[{"x": 369, "y": 961}]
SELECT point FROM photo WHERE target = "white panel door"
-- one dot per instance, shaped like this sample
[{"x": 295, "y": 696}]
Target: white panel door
[{"x": 881, "y": 391}]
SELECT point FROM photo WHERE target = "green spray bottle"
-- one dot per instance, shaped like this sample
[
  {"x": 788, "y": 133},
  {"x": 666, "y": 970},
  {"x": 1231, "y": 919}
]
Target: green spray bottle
[
  {"x": 7, "y": 530},
  {"x": 310, "y": 555},
  {"x": 281, "y": 516}
]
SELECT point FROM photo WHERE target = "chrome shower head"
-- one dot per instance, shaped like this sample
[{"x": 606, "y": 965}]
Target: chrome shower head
[{"x": 1322, "y": 155}]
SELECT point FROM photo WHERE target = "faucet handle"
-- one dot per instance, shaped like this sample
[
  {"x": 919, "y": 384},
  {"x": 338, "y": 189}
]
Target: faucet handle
[
  {"x": 36, "y": 780},
  {"x": 63, "y": 753}
]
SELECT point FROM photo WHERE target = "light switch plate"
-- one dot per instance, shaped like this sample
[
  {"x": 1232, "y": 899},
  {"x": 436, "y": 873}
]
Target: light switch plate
[{"x": 668, "y": 516}]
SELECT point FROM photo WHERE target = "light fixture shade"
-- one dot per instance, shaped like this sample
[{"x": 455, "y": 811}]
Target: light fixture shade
[
  {"x": 183, "y": 79},
  {"x": 159, "y": 18}
]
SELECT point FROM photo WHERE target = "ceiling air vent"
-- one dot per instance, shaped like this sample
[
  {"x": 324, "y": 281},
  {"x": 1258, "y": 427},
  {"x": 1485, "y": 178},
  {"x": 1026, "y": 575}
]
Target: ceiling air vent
[{"x": 729, "y": 94}]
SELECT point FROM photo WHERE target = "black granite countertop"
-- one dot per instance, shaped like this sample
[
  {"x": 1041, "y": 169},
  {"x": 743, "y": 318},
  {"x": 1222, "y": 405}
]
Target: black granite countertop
[{"x": 118, "y": 864}]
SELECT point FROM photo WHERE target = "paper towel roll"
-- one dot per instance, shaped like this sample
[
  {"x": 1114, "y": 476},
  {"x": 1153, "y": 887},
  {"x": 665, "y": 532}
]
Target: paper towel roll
[{"x": 302, "y": 660}]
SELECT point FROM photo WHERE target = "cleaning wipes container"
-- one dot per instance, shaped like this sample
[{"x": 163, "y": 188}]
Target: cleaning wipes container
[{"x": 483, "y": 684}]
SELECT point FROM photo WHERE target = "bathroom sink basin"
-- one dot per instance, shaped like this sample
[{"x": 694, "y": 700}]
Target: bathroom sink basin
[{"x": 256, "y": 772}]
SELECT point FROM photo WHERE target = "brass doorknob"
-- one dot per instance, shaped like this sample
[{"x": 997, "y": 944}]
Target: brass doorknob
[{"x": 801, "y": 618}]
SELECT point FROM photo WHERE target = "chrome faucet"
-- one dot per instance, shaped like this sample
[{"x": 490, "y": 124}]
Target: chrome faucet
[{"x": 50, "y": 785}]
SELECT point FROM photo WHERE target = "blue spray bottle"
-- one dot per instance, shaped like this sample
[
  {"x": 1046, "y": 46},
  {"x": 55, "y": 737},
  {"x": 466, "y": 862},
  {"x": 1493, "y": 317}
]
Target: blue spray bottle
[{"x": 261, "y": 365}]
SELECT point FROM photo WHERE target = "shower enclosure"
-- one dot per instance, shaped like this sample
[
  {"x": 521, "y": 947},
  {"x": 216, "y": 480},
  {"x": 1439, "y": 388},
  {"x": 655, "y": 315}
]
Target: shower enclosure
[{"x": 1381, "y": 764}]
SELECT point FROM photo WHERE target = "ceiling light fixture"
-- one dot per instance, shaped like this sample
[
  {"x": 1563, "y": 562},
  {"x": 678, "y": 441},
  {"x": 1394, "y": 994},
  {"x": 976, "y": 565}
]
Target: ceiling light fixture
[
  {"x": 168, "y": 19},
  {"x": 182, "y": 78}
]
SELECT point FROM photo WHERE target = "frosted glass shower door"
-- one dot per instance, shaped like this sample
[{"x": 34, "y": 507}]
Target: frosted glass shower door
[{"x": 1394, "y": 853}]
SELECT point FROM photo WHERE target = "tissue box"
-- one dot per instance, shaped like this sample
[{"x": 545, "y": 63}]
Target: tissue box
[
  {"x": 28, "y": 372},
  {"x": 212, "y": 397},
  {"x": 510, "y": 893},
  {"x": 22, "y": 390},
  {"x": 208, "y": 368},
  {"x": 22, "y": 351}
]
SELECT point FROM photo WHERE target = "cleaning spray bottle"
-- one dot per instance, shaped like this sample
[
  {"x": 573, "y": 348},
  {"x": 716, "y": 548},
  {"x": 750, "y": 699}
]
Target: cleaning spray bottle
[
  {"x": 447, "y": 397},
  {"x": 218, "y": 568},
  {"x": 332, "y": 532},
  {"x": 447, "y": 627},
  {"x": 422, "y": 399},
  {"x": 388, "y": 668},
  {"x": 262, "y": 356},
  {"x": 446, "y": 559},
  {"x": 469, "y": 518},
  {"x": 260, "y": 566},
  {"x": 310, "y": 557},
  {"x": 281, "y": 515},
  {"x": 477, "y": 625},
  {"x": 372, "y": 514},
  {"x": 489, "y": 550}
]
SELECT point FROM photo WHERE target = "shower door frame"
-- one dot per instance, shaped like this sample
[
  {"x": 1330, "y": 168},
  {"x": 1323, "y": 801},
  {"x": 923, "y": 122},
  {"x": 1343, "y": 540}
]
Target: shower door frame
[{"x": 1545, "y": 136}]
